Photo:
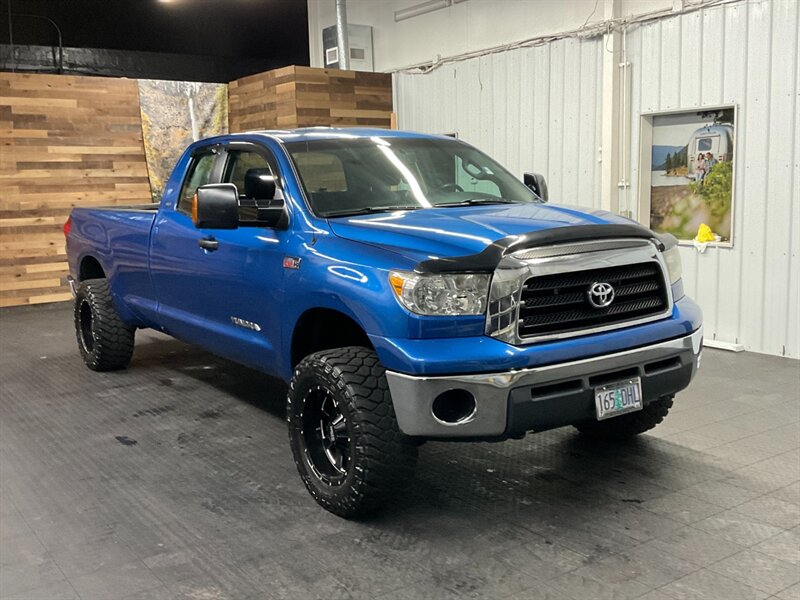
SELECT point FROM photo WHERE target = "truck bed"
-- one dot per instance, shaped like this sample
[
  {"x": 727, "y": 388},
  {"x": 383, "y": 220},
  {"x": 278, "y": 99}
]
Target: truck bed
[{"x": 118, "y": 237}]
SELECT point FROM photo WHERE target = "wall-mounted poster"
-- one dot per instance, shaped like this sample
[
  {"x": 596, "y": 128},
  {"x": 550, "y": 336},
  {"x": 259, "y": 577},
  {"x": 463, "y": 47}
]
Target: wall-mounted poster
[
  {"x": 175, "y": 114},
  {"x": 691, "y": 172}
]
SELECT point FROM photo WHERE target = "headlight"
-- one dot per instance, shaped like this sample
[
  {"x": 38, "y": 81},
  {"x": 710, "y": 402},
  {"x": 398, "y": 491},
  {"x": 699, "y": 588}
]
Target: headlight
[
  {"x": 673, "y": 259},
  {"x": 448, "y": 294}
]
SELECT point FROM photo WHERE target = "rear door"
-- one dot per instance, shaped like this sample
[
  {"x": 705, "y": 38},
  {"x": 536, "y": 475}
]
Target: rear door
[{"x": 227, "y": 299}]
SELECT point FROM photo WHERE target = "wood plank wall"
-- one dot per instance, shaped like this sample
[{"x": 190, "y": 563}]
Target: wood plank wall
[
  {"x": 304, "y": 97},
  {"x": 77, "y": 141},
  {"x": 64, "y": 141}
]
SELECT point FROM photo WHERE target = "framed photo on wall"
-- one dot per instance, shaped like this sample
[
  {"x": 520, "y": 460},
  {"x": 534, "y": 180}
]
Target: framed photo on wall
[{"x": 687, "y": 162}]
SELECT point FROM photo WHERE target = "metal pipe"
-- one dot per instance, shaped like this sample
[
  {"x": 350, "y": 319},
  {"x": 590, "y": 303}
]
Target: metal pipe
[
  {"x": 60, "y": 64},
  {"x": 11, "y": 39},
  {"x": 342, "y": 43}
]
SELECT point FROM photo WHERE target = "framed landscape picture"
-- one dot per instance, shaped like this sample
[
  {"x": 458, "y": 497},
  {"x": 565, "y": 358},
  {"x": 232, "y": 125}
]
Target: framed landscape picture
[{"x": 687, "y": 166}]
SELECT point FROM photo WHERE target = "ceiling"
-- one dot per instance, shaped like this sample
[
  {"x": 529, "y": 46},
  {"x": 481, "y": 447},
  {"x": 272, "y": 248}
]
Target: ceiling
[{"x": 263, "y": 29}]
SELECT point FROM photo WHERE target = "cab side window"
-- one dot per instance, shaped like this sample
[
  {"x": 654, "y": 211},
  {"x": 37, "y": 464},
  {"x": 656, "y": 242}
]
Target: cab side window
[
  {"x": 199, "y": 174},
  {"x": 254, "y": 180}
]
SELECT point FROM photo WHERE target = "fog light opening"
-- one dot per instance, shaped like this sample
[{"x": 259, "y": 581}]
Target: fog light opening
[{"x": 454, "y": 407}]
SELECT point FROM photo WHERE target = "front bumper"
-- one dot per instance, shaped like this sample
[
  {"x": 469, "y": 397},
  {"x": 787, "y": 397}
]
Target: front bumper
[{"x": 510, "y": 403}]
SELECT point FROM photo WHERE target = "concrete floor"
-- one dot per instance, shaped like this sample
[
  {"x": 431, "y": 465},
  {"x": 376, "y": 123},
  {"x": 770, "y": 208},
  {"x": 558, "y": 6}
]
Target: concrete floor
[{"x": 174, "y": 479}]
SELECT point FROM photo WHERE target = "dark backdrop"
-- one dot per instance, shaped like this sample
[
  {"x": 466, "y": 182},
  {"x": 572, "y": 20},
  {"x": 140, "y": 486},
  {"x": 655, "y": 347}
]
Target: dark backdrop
[{"x": 231, "y": 38}]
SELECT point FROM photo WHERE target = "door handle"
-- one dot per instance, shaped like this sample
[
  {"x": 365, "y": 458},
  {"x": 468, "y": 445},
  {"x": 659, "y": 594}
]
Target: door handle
[{"x": 209, "y": 244}]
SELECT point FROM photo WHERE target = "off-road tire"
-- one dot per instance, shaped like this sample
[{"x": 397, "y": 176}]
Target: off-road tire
[
  {"x": 627, "y": 426},
  {"x": 104, "y": 341},
  {"x": 381, "y": 459}
]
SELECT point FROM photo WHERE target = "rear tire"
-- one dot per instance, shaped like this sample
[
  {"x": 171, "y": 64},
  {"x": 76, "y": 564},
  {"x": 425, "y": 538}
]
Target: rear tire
[
  {"x": 104, "y": 341},
  {"x": 348, "y": 448},
  {"x": 627, "y": 426}
]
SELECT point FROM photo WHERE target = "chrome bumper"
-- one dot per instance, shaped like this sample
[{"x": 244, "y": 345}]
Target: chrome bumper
[
  {"x": 73, "y": 286},
  {"x": 413, "y": 396}
]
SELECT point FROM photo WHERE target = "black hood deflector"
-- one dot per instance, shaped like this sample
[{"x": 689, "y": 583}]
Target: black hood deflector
[{"x": 487, "y": 260}]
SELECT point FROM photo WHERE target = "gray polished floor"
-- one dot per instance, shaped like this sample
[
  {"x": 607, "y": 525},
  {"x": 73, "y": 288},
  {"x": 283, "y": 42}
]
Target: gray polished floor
[{"x": 174, "y": 479}]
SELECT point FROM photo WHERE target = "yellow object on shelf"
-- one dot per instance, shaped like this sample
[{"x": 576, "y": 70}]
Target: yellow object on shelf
[{"x": 704, "y": 234}]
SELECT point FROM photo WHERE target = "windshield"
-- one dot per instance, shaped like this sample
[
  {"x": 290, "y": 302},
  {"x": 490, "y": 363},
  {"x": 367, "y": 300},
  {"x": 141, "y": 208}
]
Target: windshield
[{"x": 354, "y": 176}]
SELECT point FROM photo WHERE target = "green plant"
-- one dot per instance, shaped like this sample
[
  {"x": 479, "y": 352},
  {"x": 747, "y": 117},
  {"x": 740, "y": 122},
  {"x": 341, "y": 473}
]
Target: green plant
[{"x": 716, "y": 188}]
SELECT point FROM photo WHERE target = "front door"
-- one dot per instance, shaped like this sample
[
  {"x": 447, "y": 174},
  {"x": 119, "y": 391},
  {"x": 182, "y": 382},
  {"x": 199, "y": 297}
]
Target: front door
[{"x": 224, "y": 296}]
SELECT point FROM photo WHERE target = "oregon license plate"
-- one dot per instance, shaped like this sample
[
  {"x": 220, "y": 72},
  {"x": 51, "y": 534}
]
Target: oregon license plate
[{"x": 618, "y": 398}]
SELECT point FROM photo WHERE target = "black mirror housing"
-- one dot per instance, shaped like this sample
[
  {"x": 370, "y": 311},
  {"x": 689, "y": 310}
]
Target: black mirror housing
[
  {"x": 537, "y": 184},
  {"x": 216, "y": 206},
  {"x": 270, "y": 213}
]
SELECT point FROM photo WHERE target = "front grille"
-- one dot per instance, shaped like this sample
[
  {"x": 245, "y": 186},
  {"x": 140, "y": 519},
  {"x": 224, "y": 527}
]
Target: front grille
[{"x": 555, "y": 304}]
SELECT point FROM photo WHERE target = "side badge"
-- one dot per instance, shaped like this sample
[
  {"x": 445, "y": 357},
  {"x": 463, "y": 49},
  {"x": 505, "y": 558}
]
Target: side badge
[
  {"x": 246, "y": 324},
  {"x": 291, "y": 262}
]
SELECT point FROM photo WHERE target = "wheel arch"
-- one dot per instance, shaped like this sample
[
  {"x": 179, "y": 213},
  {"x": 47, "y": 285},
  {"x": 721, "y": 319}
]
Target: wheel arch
[
  {"x": 90, "y": 268},
  {"x": 325, "y": 328}
]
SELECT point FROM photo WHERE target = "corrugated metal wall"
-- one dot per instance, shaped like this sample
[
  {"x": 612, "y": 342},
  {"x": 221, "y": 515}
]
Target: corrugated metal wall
[
  {"x": 540, "y": 109},
  {"x": 533, "y": 109},
  {"x": 744, "y": 54}
]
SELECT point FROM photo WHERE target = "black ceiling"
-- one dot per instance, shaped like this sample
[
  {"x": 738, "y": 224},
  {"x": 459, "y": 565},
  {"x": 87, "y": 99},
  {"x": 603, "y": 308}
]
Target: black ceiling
[{"x": 276, "y": 30}]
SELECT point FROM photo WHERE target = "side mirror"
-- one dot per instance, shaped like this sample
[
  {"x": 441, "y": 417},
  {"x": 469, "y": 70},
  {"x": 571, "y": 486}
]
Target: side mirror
[
  {"x": 270, "y": 213},
  {"x": 537, "y": 184},
  {"x": 216, "y": 206}
]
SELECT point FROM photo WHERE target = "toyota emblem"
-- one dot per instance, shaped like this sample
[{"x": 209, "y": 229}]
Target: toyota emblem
[{"x": 600, "y": 294}]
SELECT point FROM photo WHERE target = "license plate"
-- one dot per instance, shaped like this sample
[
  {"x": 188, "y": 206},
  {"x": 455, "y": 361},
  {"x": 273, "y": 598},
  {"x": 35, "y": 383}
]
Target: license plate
[{"x": 618, "y": 398}]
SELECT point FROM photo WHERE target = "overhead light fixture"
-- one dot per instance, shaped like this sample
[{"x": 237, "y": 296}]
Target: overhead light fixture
[{"x": 420, "y": 9}]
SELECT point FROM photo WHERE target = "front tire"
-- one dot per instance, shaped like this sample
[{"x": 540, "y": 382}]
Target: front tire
[
  {"x": 104, "y": 340},
  {"x": 348, "y": 448},
  {"x": 626, "y": 426}
]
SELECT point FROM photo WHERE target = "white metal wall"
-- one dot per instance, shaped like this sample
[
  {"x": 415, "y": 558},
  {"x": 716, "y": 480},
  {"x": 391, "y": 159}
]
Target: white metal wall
[
  {"x": 744, "y": 54},
  {"x": 541, "y": 109},
  {"x": 533, "y": 109},
  {"x": 458, "y": 27}
]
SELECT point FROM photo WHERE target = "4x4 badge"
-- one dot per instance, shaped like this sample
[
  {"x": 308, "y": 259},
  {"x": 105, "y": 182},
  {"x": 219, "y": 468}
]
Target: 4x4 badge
[{"x": 291, "y": 262}]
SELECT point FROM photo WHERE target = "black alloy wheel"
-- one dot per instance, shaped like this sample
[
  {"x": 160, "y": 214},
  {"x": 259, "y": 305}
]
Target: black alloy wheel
[
  {"x": 326, "y": 439},
  {"x": 347, "y": 445}
]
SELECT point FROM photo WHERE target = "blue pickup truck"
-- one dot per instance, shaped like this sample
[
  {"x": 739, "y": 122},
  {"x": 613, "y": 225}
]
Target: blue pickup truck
[{"x": 408, "y": 288}]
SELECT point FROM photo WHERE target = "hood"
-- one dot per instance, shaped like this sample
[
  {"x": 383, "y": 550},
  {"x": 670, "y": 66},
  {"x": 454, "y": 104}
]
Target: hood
[{"x": 457, "y": 231}]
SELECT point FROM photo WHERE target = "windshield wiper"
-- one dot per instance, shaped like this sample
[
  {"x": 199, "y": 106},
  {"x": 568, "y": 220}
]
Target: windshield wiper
[
  {"x": 368, "y": 210},
  {"x": 474, "y": 201}
]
